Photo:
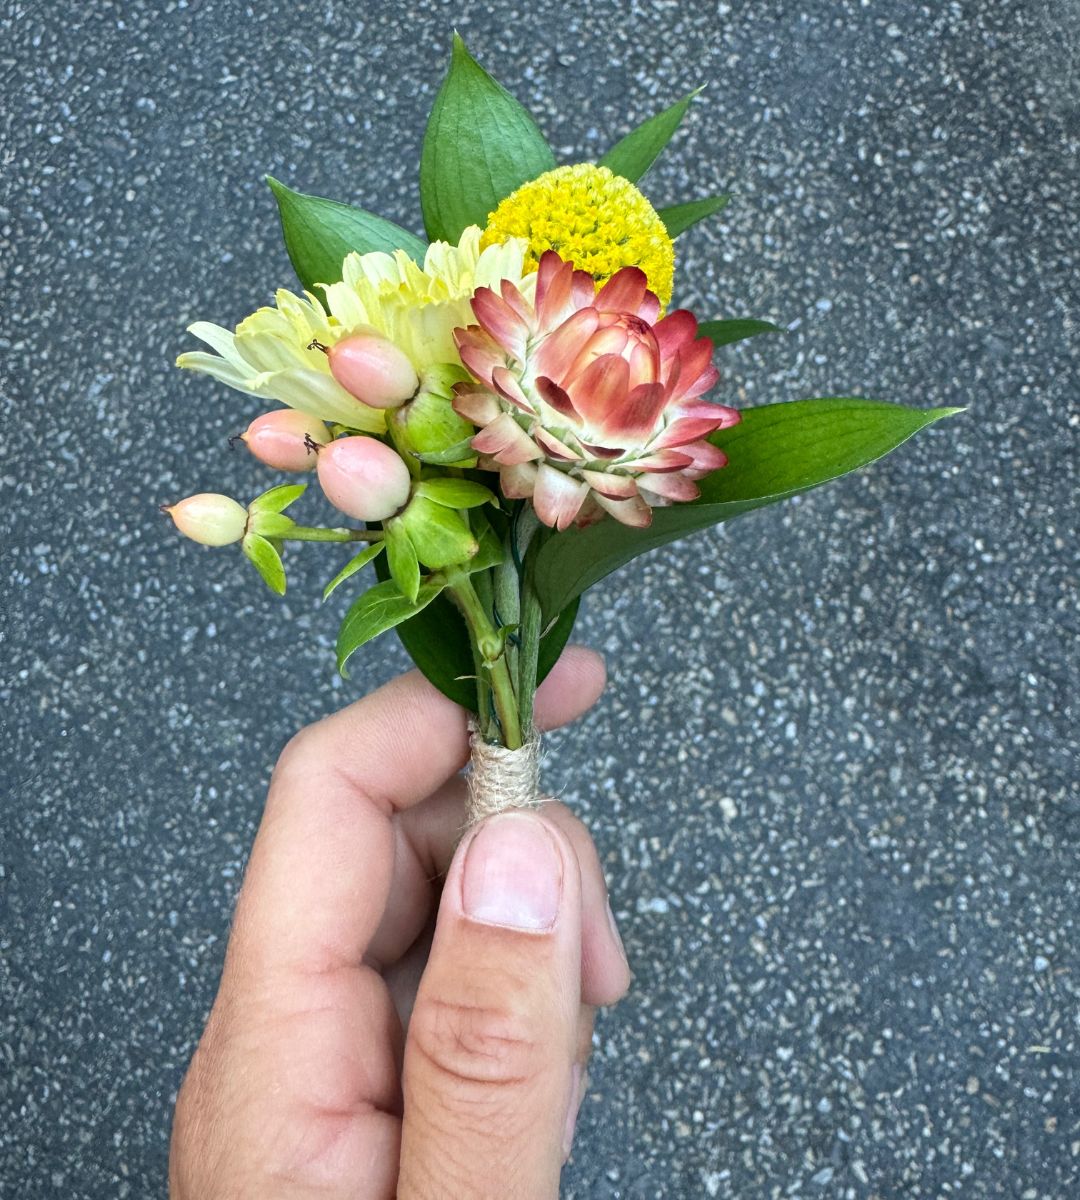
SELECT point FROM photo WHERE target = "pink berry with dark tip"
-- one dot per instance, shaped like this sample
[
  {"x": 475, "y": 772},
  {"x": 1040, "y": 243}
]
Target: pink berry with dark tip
[
  {"x": 373, "y": 369},
  {"x": 286, "y": 440},
  {"x": 363, "y": 478}
]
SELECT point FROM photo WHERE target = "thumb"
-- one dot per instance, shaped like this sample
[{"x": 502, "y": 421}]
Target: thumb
[{"x": 489, "y": 1058}]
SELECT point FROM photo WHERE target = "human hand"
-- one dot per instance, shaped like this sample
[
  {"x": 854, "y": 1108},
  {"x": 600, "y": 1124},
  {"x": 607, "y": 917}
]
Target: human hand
[{"x": 347, "y": 1053}]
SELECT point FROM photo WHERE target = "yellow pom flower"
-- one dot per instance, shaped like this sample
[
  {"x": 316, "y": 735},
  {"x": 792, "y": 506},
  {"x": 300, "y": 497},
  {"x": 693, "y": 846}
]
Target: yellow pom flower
[{"x": 593, "y": 218}]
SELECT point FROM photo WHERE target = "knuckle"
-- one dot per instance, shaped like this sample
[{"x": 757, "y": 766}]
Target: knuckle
[
  {"x": 295, "y": 752},
  {"x": 476, "y": 1046}
]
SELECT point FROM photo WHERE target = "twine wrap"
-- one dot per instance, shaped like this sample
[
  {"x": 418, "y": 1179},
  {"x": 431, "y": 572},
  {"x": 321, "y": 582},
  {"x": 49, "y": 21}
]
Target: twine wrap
[{"x": 502, "y": 779}]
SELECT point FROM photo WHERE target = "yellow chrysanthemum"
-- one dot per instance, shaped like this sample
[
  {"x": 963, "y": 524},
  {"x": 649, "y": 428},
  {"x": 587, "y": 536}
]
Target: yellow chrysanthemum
[
  {"x": 593, "y": 218},
  {"x": 270, "y": 355}
]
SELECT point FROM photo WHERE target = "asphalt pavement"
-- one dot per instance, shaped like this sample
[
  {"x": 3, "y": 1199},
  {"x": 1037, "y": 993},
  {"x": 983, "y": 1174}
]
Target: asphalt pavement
[{"x": 834, "y": 779}]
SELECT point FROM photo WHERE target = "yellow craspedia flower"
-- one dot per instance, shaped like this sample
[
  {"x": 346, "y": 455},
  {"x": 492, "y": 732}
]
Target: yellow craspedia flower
[{"x": 593, "y": 218}]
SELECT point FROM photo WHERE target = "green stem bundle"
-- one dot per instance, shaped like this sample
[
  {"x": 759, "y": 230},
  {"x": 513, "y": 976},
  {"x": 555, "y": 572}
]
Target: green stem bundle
[{"x": 489, "y": 650}]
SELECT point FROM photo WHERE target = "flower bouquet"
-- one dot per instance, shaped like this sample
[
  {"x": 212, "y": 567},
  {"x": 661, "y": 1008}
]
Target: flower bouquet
[{"x": 504, "y": 413}]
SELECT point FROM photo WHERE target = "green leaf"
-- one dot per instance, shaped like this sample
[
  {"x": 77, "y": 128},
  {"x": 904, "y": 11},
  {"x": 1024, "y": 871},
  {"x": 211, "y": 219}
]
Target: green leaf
[
  {"x": 401, "y": 559},
  {"x": 455, "y": 493},
  {"x": 555, "y": 639},
  {"x": 774, "y": 452},
  {"x": 633, "y": 156},
  {"x": 490, "y": 552},
  {"x": 438, "y": 643},
  {"x": 320, "y": 233},
  {"x": 461, "y": 454},
  {"x": 440, "y": 536},
  {"x": 479, "y": 146},
  {"x": 723, "y": 333},
  {"x": 351, "y": 567},
  {"x": 278, "y": 499},
  {"x": 378, "y": 609},
  {"x": 267, "y": 561},
  {"x": 271, "y": 524},
  {"x": 678, "y": 218}
]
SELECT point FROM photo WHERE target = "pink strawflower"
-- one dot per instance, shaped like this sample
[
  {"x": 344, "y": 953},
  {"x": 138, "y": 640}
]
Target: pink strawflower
[{"x": 586, "y": 402}]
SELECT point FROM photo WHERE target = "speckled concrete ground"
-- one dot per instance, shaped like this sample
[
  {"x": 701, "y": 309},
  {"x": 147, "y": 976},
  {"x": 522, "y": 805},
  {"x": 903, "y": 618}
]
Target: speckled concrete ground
[{"x": 835, "y": 778}]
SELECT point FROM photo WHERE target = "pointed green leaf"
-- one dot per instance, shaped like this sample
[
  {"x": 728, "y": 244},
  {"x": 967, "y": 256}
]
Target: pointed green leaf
[
  {"x": 774, "y": 452},
  {"x": 723, "y": 333},
  {"x": 378, "y": 609},
  {"x": 633, "y": 156},
  {"x": 278, "y": 499},
  {"x": 267, "y": 561},
  {"x": 401, "y": 559},
  {"x": 479, "y": 146},
  {"x": 351, "y": 567},
  {"x": 455, "y": 493},
  {"x": 320, "y": 233},
  {"x": 555, "y": 638},
  {"x": 678, "y": 218}
]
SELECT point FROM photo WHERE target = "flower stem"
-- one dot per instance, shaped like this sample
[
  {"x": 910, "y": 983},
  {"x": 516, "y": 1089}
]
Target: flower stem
[
  {"x": 493, "y": 659},
  {"x": 530, "y": 617},
  {"x": 306, "y": 533},
  {"x": 529, "y": 651}
]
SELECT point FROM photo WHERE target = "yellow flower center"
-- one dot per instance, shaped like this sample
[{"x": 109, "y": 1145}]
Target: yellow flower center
[{"x": 591, "y": 217}]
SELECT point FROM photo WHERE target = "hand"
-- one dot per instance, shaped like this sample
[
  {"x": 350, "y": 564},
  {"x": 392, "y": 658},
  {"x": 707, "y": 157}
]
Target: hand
[{"x": 358, "y": 1047}]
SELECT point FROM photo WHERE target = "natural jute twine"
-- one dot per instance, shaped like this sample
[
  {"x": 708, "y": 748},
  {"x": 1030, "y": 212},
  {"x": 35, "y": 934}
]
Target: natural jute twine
[{"x": 502, "y": 779}]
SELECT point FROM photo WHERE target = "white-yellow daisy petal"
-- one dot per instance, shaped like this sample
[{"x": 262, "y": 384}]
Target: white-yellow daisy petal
[
  {"x": 416, "y": 307},
  {"x": 321, "y": 396},
  {"x": 219, "y": 368}
]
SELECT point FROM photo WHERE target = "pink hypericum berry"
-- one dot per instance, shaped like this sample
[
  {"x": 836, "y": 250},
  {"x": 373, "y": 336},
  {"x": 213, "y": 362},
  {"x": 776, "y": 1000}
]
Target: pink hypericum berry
[
  {"x": 363, "y": 477},
  {"x": 373, "y": 369},
  {"x": 285, "y": 439},
  {"x": 209, "y": 518}
]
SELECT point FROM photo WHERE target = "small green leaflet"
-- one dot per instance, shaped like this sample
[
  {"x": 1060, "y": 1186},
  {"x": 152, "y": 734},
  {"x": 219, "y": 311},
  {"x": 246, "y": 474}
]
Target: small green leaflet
[
  {"x": 278, "y": 499},
  {"x": 378, "y": 609},
  {"x": 401, "y": 559},
  {"x": 351, "y": 567},
  {"x": 455, "y": 493},
  {"x": 271, "y": 524},
  {"x": 490, "y": 552},
  {"x": 461, "y": 454},
  {"x": 267, "y": 561}
]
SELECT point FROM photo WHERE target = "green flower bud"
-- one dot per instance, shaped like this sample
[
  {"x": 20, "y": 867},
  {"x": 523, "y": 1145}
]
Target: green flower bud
[
  {"x": 428, "y": 424},
  {"x": 440, "y": 536}
]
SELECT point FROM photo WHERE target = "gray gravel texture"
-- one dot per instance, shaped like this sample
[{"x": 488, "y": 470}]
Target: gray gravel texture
[{"x": 834, "y": 778}]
